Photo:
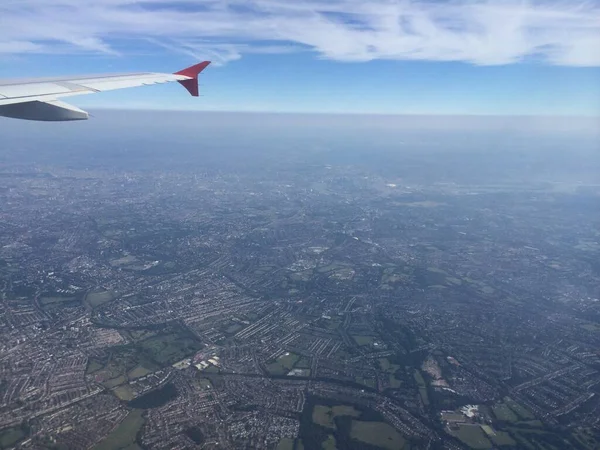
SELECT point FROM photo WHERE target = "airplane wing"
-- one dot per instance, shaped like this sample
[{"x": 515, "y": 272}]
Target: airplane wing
[{"x": 38, "y": 99}]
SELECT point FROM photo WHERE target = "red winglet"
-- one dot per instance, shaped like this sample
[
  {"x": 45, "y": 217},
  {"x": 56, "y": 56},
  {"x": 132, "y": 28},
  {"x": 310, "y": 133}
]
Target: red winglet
[{"x": 192, "y": 84}]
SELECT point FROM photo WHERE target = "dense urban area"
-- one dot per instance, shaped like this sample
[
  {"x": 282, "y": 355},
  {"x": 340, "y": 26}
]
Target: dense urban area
[{"x": 299, "y": 301}]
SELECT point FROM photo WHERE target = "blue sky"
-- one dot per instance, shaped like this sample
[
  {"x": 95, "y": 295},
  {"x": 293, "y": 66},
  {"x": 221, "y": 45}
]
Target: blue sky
[{"x": 381, "y": 56}]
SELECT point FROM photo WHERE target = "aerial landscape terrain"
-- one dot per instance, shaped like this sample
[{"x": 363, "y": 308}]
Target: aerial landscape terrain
[{"x": 233, "y": 281}]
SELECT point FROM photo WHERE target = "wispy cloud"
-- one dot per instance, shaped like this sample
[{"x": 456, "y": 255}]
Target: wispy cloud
[{"x": 482, "y": 32}]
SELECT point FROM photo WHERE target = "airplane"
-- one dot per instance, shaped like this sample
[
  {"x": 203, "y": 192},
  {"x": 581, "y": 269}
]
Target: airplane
[{"x": 37, "y": 99}]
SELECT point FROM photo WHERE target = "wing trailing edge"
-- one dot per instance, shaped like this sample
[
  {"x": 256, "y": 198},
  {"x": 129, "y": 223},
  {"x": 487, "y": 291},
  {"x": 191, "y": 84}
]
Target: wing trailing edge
[{"x": 47, "y": 111}]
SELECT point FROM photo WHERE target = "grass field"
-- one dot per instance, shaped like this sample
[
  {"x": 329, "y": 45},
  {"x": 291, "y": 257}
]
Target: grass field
[
  {"x": 93, "y": 366},
  {"x": 233, "y": 328},
  {"x": 334, "y": 323},
  {"x": 10, "y": 437},
  {"x": 123, "y": 437},
  {"x": 473, "y": 436},
  {"x": 521, "y": 411},
  {"x": 204, "y": 383},
  {"x": 531, "y": 423},
  {"x": 169, "y": 348},
  {"x": 138, "y": 372},
  {"x": 379, "y": 434},
  {"x": 123, "y": 392},
  {"x": 394, "y": 382},
  {"x": 123, "y": 365},
  {"x": 329, "y": 443},
  {"x": 283, "y": 364},
  {"x": 303, "y": 363},
  {"x": 503, "y": 438},
  {"x": 532, "y": 438},
  {"x": 140, "y": 335},
  {"x": 325, "y": 416},
  {"x": 95, "y": 299},
  {"x": 390, "y": 276},
  {"x": 211, "y": 369},
  {"x": 422, "y": 387},
  {"x": 117, "y": 381},
  {"x": 47, "y": 301},
  {"x": 386, "y": 366},
  {"x": 369, "y": 382},
  {"x": 587, "y": 439},
  {"x": 504, "y": 413},
  {"x": 419, "y": 378},
  {"x": 285, "y": 444},
  {"x": 593, "y": 327},
  {"x": 363, "y": 340}
]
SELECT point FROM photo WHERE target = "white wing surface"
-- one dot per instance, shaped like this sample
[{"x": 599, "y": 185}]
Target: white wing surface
[{"x": 37, "y": 99}]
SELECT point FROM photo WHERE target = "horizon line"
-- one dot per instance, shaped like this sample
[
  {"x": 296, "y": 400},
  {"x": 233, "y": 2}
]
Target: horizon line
[{"x": 350, "y": 113}]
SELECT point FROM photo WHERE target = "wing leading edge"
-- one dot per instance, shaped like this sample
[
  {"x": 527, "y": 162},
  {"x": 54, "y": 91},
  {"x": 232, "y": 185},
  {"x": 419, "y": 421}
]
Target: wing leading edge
[{"x": 37, "y": 99}]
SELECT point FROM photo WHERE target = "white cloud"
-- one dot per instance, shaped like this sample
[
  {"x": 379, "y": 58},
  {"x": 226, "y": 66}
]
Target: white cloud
[{"x": 483, "y": 32}]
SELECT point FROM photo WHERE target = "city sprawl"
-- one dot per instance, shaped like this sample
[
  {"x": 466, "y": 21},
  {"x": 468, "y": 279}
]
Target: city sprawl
[{"x": 298, "y": 304}]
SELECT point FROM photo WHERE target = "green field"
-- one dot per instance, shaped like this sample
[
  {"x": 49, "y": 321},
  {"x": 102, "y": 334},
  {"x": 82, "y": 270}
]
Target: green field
[
  {"x": 503, "y": 438},
  {"x": 535, "y": 439},
  {"x": 473, "y": 436},
  {"x": 302, "y": 276},
  {"x": 422, "y": 387},
  {"x": 117, "y": 381},
  {"x": 379, "y": 434},
  {"x": 430, "y": 277},
  {"x": 394, "y": 382},
  {"x": 325, "y": 416},
  {"x": 386, "y": 366},
  {"x": 303, "y": 363},
  {"x": 593, "y": 327},
  {"x": 521, "y": 411},
  {"x": 93, "y": 366},
  {"x": 333, "y": 323},
  {"x": 123, "y": 392},
  {"x": 419, "y": 378},
  {"x": 51, "y": 301},
  {"x": 234, "y": 328},
  {"x": 95, "y": 299},
  {"x": 140, "y": 335},
  {"x": 586, "y": 438},
  {"x": 285, "y": 444},
  {"x": 204, "y": 383},
  {"x": 211, "y": 369},
  {"x": 122, "y": 362},
  {"x": 363, "y": 340},
  {"x": 124, "y": 436},
  {"x": 283, "y": 364},
  {"x": 168, "y": 348},
  {"x": 138, "y": 372},
  {"x": 10, "y": 437},
  {"x": 390, "y": 276},
  {"x": 531, "y": 423},
  {"x": 329, "y": 443},
  {"x": 369, "y": 382},
  {"x": 504, "y": 413}
]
